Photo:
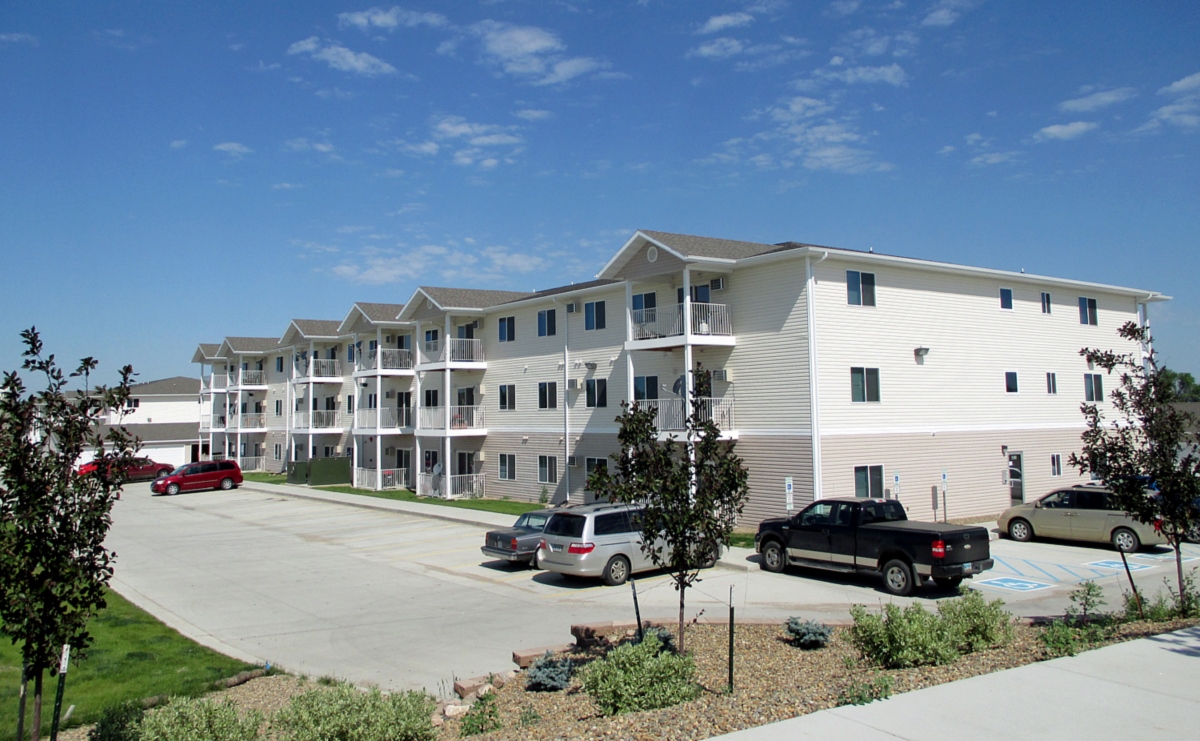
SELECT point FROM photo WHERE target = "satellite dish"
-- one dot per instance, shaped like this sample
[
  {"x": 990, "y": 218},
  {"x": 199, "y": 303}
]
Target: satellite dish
[
  {"x": 679, "y": 386},
  {"x": 437, "y": 469}
]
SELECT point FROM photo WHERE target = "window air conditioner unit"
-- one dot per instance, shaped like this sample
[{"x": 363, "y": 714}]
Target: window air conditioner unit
[
  {"x": 482, "y": 389},
  {"x": 573, "y": 384},
  {"x": 572, "y": 307},
  {"x": 481, "y": 456},
  {"x": 720, "y": 374},
  {"x": 573, "y": 461},
  {"x": 477, "y": 323},
  {"x": 716, "y": 284}
]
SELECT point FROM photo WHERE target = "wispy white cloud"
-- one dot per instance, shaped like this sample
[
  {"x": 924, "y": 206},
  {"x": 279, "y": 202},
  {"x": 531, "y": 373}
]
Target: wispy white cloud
[
  {"x": 842, "y": 7},
  {"x": 721, "y": 22},
  {"x": 946, "y": 149},
  {"x": 1097, "y": 100},
  {"x": 233, "y": 149},
  {"x": 340, "y": 58},
  {"x": 993, "y": 158},
  {"x": 531, "y": 53},
  {"x": 391, "y": 19},
  {"x": 305, "y": 145},
  {"x": 179, "y": 144},
  {"x": 1189, "y": 84},
  {"x": 945, "y": 13},
  {"x": 1063, "y": 132},
  {"x": 286, "y": 186},
  {"x": 117, "y": 38},
  {"x": 721, "y": 48},
  {"x": 532, "y": 114},
  {"x": 1184, "y": 113},
  {"x": 456, "y": 263},
  {"x": 893, "y": 74},
  {"x": 18, "y": 38}
]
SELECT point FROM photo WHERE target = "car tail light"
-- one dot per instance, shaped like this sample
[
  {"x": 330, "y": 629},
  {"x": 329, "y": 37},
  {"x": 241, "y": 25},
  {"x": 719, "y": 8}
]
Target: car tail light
[
  {"x": 1158, "y": 523},
  {"x": 513, "y": 544},
  {"x": 939, "y": 548},
  {"x": 581, "y": 548},
  {"x": 541, "y": 544}
]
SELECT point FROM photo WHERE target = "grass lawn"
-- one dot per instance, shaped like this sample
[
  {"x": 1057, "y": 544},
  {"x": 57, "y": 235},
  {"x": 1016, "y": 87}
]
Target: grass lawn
[
  {"x": 133, "y": 656},
  {"x": 742, "y": 540},
  {"x": 263, "y": 477},
  {"x": 503, "y": 506}
]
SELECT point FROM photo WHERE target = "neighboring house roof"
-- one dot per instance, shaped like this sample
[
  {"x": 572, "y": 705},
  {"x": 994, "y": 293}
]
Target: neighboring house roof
[
  {"x": 166, "y": 432},
  {"x": 379, "y": 314},
  {"x": 176, "y": 386},
  {"x": 311, "y": 329},
  {"x": 249, "y": 345},
  {"x": 207, "y": 352}
]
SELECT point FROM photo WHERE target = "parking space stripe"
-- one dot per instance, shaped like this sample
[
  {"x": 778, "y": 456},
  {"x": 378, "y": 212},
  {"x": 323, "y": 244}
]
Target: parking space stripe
[
  {"x": 1008, "y": 566},
  {"x": 1039, "y": 568}
]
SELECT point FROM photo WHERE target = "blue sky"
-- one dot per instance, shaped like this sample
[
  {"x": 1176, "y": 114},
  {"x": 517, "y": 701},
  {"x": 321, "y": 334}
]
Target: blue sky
[{"x": 175, "y": 172}]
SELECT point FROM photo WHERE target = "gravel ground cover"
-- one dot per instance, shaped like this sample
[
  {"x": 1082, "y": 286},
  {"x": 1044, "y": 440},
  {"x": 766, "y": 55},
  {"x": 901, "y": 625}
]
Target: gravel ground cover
[{"x": 772, "y": 681}]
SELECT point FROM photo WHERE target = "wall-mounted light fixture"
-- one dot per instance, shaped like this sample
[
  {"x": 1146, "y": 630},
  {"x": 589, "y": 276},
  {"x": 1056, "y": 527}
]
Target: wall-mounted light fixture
[
  {"x": 921, "y": 352},
  {"x": 590, "y": 366}
]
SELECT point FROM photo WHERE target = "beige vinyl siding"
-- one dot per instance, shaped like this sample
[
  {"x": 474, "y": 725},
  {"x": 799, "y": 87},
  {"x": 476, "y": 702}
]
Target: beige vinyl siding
[
  {"x": 976, "y": 464},
  {"x": 769, "y": 461},
  {"x": 526, "y": 486},
  {"x": 639, "y": 267},
  {"x": 274, "y": 437}
]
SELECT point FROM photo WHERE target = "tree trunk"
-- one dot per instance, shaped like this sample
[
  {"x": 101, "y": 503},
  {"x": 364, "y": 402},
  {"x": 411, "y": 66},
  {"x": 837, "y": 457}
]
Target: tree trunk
[
  {"x": 35, "y": 724},
  {"x": 1185, "y": 607},
  {"x": 1137, "y": 598},
  {"x": 681, "y": 589}
]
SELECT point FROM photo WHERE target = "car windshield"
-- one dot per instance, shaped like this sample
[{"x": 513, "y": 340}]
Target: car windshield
[
  {"x": 179, "y": 470},
  {"x": 564, "y": 524},
  {"x": 532, "y": 521}
]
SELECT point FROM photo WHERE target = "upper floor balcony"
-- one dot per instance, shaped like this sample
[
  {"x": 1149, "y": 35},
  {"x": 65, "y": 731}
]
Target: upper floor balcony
[
  {"x": 325, "y": 419},
  {"x": 256, "y": 421},
  {"x": 211, "y": 422},
  {"x": 386, "y": 361},
  {"x": 318, "y": 370},
  {"x": 464, "y": 420},
  {"x": 672, "y": 414},
  {"x": 664, "y": 326},
  {"x": 247, "y": 378},
  {"x": 456, "y": 351},
  {"x": 383, "y": 419},
  {"x": 214, "y": 382}
]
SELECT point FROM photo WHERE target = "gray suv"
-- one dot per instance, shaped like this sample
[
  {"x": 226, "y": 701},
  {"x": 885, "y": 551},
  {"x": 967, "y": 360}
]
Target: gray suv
[{"x": 598, "y": 540}]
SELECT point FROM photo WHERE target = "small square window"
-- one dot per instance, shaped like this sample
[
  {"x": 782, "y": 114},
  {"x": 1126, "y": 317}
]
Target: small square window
[
  {"x": 1051, "y": 383},
  {"x": 864, "y": 384},
  {"x": 1087, "y": 311},
  {"x": 547, "y": 469},
  {"x": 1045, "y": 303},
  {"x": 645, "y": 387},
  {"x": 1006, "y": 300},
  {"x": 860, "y": 288},
  {"x": 508, "y": 329},
  {"x": 508, "y": 467},
  {"x": 593, "y": 315},
  {"x": 1010, "y": 382}
]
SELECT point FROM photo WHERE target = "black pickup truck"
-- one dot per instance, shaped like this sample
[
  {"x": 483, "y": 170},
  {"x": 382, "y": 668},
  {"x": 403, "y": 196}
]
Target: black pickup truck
[{"x": 875, "y": 535}]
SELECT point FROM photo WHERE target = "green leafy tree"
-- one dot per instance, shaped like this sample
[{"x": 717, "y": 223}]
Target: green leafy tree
[
  {"x": 1146, "y": 443},
  {"x": 53, "y": 563},
  {"x": 1186, "y": 388},
  {"x": 693, "y": 490}
]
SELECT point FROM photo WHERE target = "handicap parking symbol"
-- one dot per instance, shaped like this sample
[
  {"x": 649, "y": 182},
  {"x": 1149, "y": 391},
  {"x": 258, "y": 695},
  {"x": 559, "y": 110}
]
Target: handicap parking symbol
[
  {"x": 1162, "y": 557},
  {"x": 1014, "y": 584},
  {"x": 1117, "y": 565}
]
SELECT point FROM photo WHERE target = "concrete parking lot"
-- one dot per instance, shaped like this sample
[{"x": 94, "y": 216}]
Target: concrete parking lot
[{"x": 402, "y": 600}]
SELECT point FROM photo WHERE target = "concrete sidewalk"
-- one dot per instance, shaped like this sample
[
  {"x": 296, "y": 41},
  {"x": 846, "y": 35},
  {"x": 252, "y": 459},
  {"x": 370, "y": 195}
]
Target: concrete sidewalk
[{"x": 1143, "y": 689}]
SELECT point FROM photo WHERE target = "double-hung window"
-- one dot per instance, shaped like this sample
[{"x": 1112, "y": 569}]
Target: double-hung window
[
  {"x": 547, "y": 469},
  {"x": 1093, "y": 387},
  {"x": 1051, "y": 383},
  {"x": 1087, "y": 311},
  {"x": 548, "y": 395},
  {"x": 508, "y": 396},
  {"x": 546, "y": 323},
  {"x": 1006, "y": 299},
  {"x": 593, "y": 315},
  {"x": 860, "y": 288},
  {"x": 864, "y": 384},
  {"x": 1056, "y": 465},
  {"x": 1045, "y": 303},
  {"x": 508, "y": 467},
  {"x": 868, "y": 482},
  {"x": 597, "y": 392},
  {"x": 645, "y": 387},
  {"x": 508, "y": 328}
]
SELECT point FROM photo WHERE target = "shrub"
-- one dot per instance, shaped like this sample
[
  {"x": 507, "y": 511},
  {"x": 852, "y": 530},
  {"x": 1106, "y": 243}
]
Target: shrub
[
  {"x": 808, "y": 634},
  {"x": 666, "y": 638},
  {"x": 118, "y": 723},
  {"x": 199, "y": 720},
  {"x": 898, "y": 639},
  {"x": 1086, "y": 599},
  {"x": 861, "y": 693},
  {"x": 640, "y": 676},
  {"x": 974, "y": 622},
  {"x": 549, "y": 674},
  {"x": 1156, "y": 610},
  {"x": 481, "y": 718},
  {"x": 1187, "y": 600},
  {"x": 1060, "y": 639},
  {"x": 344, "y": 712}
]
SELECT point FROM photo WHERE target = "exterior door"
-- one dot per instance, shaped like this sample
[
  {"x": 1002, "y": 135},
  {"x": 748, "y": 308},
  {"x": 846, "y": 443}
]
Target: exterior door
[
  {"x": 808, "y": 535},
  {"x": 842, "y": 535},
  {"x": 1091, "y": 513},
  {"x": 1016, "y": 479}
]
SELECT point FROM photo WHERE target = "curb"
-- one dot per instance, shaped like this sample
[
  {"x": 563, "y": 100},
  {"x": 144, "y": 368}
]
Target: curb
[{"x": 316, "y": 497}]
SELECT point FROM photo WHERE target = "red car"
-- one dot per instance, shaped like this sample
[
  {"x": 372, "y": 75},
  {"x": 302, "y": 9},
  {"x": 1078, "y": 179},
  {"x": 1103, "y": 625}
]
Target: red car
[
  {"x": 205, "y": 475},
  {"x": 140, "y": 469}
]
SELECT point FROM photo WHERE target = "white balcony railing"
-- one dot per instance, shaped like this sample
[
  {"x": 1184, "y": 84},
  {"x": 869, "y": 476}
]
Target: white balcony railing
[
  {"x": 672, "y": 412},
  {"x": 253, "y": 421},
  {"x": 667, "y": 321},
  {"x": 454, "y": 350},
  {"x": 387, "y": 359},
  {"x": 466, "y": 418},
  {"x": 467, "y": 486},
  {"x": 214, "y": 381},
  {"x": 431, "y": 484},
  {"x": 300, "y": 420},
  {"x": 388, "y": 478},
  {"x": 318, "y": 368},
  {"x": 383, "y": 419},
  {"x": 212, "y": 422},
  {"x": 252, "y": 378},
  {"x": 316, "y": 419},
  {"x": 432, "y": 418},
  {"x": 252, "y": 462}
]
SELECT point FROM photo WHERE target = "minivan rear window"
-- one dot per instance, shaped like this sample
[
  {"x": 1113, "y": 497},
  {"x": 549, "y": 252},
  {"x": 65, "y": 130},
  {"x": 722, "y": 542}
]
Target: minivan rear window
[{"x": 564, "y": 524}]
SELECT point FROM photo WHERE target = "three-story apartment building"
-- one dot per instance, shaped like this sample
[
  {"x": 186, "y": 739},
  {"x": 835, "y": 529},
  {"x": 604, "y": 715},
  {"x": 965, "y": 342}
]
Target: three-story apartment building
[{"x": 839, "y": 373}]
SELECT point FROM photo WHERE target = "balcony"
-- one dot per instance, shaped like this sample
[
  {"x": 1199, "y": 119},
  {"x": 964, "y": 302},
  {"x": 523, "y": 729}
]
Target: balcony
[
  {"x": 256, "y": 421},
  {"x": 383, "y": 419},
  {"x": 316, "y": 369},
  {"x": 454, "y": 350},
  {"x": 212, "y": 422},
  {"x": 252, "y": 463},
  {"x": 388, "y": 359},
  {"x": 246, "y": 378},
  {"x": 664, "y": 326},
  {"x": 388, "y": 478},
  {"x": 672, "y": 413},
  {"x": 461, "y": 418},
  {"x": 214, "y": 381},
  {"x": 316, "y": 420},
  {"x": 465, "y": 486}
]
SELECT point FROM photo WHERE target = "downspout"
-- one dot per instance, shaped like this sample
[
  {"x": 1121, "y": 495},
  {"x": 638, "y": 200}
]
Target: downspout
[
  {"x": 814, "y": 399},
  {"x": 566, "y": 405}
]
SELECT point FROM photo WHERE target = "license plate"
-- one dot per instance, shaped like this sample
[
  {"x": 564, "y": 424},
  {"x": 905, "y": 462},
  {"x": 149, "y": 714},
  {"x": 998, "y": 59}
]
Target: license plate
[
  {"x": 555, "y": 548},
  {"x": 966, "y": 568}
]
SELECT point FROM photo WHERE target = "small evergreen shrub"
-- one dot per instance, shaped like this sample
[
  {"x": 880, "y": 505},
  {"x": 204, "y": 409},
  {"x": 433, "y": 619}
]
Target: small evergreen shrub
[
  {"x": 666, "y": 637},
  {"x": 483, "y": 717},
  {"x": 808, "y": 634},
  {"x": 898, "y": 639},
  {"x": 118, "y": 723},
  {"x": 549, "y": 674},
  {"x": 199, "y": 720},
  {"x": 640, "y": 676},
  {"x": 346, "y": 713},
  {"x": 974, "y": 622}
]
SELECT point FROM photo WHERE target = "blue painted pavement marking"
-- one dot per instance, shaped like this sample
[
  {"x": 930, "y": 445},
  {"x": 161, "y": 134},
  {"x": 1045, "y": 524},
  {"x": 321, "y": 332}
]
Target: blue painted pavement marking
[
  {"x": 1007, "y": 566},
  {"x": 1039, "y": 568},
  {"x": 1162, "y": 557},
  {"x": 1016, "y": 585},
  {"x": 1118, "y": 565}
]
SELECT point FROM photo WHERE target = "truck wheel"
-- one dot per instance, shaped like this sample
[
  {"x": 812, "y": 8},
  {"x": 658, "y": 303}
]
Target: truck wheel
[
  {"x": 1020, "y": 531},
  {"x": 772, "y": 559},
  {"x": 898, "y": 577},
  {"x": 947, "y": 582},
  {"x": 1124, "y": 539},
  {"x": 616, "y": 571}
]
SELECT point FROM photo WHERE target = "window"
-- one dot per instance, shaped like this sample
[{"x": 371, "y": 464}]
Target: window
[
  {"x": 1045, "y": 303},
  {"x": 1056, "y": 465},
  {"x": 132, "y": 403},
  {"x": 644, "y": 307},
  {"x": 547, "y": 469},
  {"x": 508, "y": 396},
  {"x": 350, "y": 353},
  {"x": 279, "y": 407},
  {"x": 1087, "y": 311},
  {"x": 278, "y": 452},
  {"x": 548, "y": 395},
  {"x": 597, "y": 392},
  {"x": 431, "y": 397},
  {"x": 431, "y": 336},
  {"x": 864, "y": 384},
  {"x": 860, "y": 288},
  {"x": 508, "y": 328},
  {"x": 1010, "y": 382},
  {"x": 593, "y": 315},
  {"x": 645, "y": 387},
  {"x": 1051, "y": 383},
  {"x": 591, "y": 464},
  {"x": 330, "y": 451},
  {"x": 868, "y": 482},
  {"x": 279, "y": 364},
  {"x": 1093, "y": 387},
  {"x": 404, "y": 342},
  {"x": 1006, "y": 298},
  {"x": 508, "y": 467},
  {"x": 546, "y": 323}
]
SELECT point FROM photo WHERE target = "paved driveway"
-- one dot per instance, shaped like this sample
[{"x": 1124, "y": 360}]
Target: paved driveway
[{"x": 406, "y": 601}]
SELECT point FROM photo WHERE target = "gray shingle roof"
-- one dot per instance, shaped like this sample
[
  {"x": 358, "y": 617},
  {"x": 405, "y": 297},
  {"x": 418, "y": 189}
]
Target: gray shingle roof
[
  {"x": 176, "y": 385},
  {"x": 380, "y": 312},
  {"x": 205, "y": 351},
  {"x": 564, "y": 289},
  {"x": 471, "y": 298},
  {"x": 317, "y": 328},
  {"x": 252, "y": 344},
  {"x": 718, "y": 249}
]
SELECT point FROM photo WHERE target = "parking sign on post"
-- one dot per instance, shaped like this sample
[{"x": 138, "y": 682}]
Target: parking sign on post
[{"x": 787, "y": 490}]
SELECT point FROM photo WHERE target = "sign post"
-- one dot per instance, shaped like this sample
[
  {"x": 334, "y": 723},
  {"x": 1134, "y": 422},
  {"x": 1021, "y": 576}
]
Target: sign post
[
  {"x": 787, "y": 490},
  {"x": 944, "y": 495}
]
